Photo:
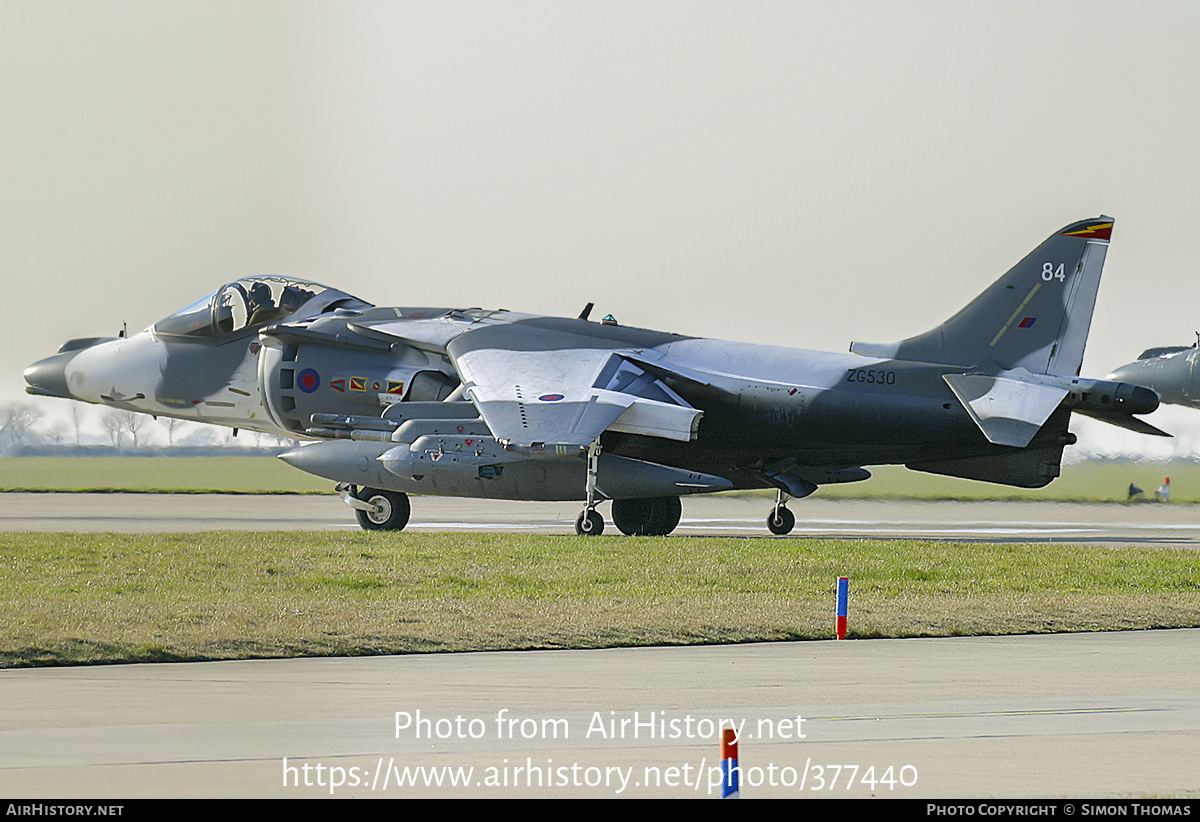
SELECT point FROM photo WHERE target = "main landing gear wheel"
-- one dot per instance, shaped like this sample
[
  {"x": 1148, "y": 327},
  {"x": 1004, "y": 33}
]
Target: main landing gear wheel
[
  {"x": 589, "y": 524},
  {"x": 647, "y": 517},
  {"x": 389, "y": 510}
]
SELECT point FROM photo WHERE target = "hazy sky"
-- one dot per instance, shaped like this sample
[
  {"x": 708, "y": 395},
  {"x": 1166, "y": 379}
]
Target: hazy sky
[{"x": 794, "y": 173}]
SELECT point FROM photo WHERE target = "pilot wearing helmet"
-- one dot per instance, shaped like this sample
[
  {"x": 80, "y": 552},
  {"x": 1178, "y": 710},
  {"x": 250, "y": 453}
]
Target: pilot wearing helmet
[{"x": 261, "y": 304}]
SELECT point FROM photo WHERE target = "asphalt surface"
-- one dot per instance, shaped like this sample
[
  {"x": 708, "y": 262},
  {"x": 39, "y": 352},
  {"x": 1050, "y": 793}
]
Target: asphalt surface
[
  {"x": 1086, "y": 715},
  {"x": 1145, "y": 524}
]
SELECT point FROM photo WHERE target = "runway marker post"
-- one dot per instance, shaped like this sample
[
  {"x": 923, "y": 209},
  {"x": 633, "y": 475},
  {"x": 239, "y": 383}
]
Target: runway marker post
[
  {"x": 843, "y": 598},
  {"x": 729, "y": 765}
]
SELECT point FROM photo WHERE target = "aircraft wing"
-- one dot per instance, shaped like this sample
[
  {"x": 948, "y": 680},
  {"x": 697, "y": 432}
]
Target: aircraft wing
[{"x": 542, "y": 387}]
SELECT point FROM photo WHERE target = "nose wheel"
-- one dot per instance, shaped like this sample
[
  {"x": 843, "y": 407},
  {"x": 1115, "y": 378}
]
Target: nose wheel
[
  {"x": 377, "y": 510},
  {"x": 781, "y": 521}
]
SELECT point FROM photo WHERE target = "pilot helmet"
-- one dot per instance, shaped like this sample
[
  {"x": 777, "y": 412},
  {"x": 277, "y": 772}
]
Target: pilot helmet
[{"x": 260, "y": 295}]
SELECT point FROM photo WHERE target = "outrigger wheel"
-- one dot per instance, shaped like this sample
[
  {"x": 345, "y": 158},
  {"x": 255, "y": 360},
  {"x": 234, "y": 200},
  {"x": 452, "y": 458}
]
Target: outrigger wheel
[
  {"x": 387, "y": 511},
  {"x": 589, "y": 524},
  {"x": 781, "y": 521}
]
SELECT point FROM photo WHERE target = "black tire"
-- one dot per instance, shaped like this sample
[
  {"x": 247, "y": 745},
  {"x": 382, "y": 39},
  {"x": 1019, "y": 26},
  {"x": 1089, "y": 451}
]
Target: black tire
[
  {"x": 589, "y": 524},
  {"x": 632, "y": 516},
  {"x": 670, "y": 509},
  {"x": 781, "y": 524},
  {"x": 392, "y": 510},
  {"x": 647, "y": 517}
]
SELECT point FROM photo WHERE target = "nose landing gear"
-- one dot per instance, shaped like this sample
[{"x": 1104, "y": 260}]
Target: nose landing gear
[{"x": 377, "y": 510}]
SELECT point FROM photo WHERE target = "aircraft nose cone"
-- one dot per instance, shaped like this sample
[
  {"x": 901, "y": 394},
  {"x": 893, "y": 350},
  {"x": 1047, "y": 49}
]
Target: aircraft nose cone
[
  {"x": 48, "y": 377},
  {"x": 1126, "y": 373},
  {"x": 1167, "y": 378}
]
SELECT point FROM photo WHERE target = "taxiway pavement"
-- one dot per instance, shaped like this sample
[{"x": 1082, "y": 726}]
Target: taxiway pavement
[
  {"x": 1145, "y": 524},
  {"x": 1083, "y": 715},
  {"x": 1100, "y": 715}
]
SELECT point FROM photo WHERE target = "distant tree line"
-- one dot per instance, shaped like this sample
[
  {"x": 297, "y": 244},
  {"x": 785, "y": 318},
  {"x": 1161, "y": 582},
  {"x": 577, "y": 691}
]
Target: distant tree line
[{"x": 26, "y": 427}]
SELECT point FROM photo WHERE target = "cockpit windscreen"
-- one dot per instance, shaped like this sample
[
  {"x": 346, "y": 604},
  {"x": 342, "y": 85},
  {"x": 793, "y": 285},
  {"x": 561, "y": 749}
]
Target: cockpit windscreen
[{"x": 247, "y": 304}]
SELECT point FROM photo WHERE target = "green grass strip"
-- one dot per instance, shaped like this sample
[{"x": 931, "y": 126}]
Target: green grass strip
[
  {"x": 99, "y": 598},
  {"x": 174, "y": 475},
  {"x": 1081, "y": 482}
]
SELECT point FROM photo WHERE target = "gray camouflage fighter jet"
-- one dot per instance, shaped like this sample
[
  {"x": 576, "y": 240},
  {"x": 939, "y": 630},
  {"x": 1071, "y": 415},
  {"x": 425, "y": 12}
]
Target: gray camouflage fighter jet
[
  {"x": 496, "y": 404},
  {"x": 1171, "y": 372}
]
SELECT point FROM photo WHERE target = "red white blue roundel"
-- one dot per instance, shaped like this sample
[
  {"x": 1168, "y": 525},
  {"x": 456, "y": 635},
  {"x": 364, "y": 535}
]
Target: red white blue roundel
[
  {"x": 308, "y": 380},
  {"x": 550, "y": 397}
]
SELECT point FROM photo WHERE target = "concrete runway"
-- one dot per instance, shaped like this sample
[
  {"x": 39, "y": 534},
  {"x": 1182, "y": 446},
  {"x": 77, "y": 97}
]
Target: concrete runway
[
  {"x": 1100, "y": 715},
  {"x": 1085, "y": 715},
  {"x": 1146, "y": 524}
]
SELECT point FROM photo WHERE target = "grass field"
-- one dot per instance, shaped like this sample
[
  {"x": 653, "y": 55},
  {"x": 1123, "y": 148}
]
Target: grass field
[
  {"x": 1092, "y": 482},
  {"x": 79, "y": 598},
  {"x": 227, "y": 475},
  {"x": 1081, "y": 482}
]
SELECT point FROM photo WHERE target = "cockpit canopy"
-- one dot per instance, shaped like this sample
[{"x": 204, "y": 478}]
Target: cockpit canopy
[{"x": 251, "y": 303}]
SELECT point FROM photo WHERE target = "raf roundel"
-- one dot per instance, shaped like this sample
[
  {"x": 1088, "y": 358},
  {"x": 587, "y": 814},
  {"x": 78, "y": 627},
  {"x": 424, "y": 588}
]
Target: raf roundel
[
  {"x": 550, "y": 397},
  {"x": 308, "y": 380}
]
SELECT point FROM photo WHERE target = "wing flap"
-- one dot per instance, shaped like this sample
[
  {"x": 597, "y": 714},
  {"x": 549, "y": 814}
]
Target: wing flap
[
  {"x": 570, "y": 397},
  {"x": 657, "y": 419}
]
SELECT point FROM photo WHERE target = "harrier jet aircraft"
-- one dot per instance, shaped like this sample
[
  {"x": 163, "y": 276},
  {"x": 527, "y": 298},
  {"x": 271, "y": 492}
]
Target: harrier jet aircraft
[
  {"x": 1170, "y": 371},
  {"x": 497, "y": 404}
]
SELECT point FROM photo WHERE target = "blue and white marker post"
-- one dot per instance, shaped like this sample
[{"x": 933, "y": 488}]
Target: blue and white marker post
[
  {"x": 843, "y": 605},
  {"x": 729, "y": 765}
]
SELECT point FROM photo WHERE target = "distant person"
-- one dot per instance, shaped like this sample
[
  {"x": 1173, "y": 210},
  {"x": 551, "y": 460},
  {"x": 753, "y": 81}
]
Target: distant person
[
  {"x": 1163, "y": 494},
  {"x": 1135, "y": 493}
]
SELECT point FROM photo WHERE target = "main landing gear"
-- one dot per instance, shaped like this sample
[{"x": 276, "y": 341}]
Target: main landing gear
[
  {"x": 781, "y": 521},
  {"x": 646, "y": 517},
  {"x": 634, "y": 517},
  {"x": 655, "y": 517},
  {"x": 377, "y": 510}
]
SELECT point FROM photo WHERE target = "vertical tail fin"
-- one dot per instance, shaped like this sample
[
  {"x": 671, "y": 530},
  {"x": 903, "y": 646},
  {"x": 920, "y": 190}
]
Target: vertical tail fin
[{"x": 1035, "y": 317}]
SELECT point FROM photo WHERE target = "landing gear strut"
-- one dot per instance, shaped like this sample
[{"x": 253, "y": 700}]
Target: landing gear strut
[
  {"x": 377, "y": 510},
  {"x": 590, "y": 522},
  {"x": 781, "y": 521},
  {"x": 647, "y": 517}
]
